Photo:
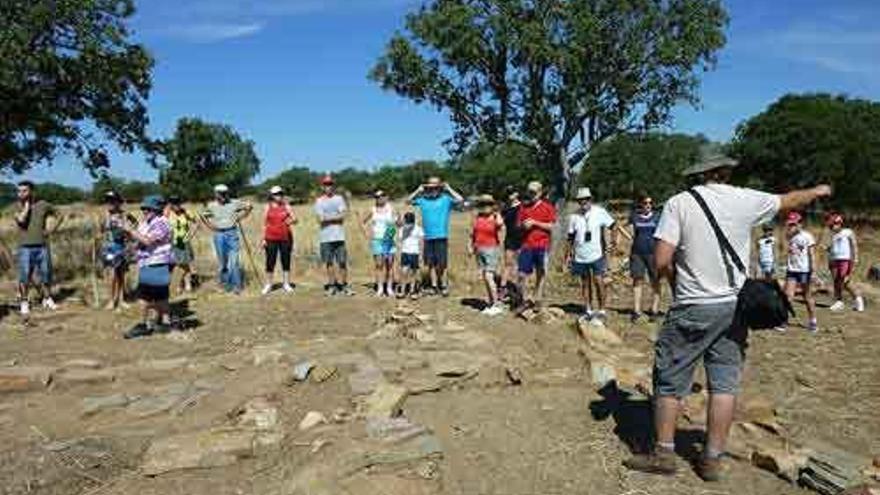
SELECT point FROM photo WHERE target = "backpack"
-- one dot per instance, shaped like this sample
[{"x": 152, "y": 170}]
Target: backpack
[{"x": 761, "y": 304}]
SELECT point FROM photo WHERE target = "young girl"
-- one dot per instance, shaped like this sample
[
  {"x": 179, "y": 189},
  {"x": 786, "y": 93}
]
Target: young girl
[
  {"x": 411, "y": 239},
  {"x": 278, "y": 238},
  {"x": 801, "y": 259},
  {"x": 114, "y": 255},
  {"x": 383, "y": 235},
  {"x": 843, "y": 256},
  {"x": 485, "y": 245},
  {"x": 767, "y": 253},
  {"x": 183, "y": 228}
]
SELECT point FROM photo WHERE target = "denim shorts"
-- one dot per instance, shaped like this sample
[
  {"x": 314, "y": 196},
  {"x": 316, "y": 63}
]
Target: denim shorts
[
  {"x": 531, "y": 259},
  {"x": 596, "y": 268},
  {"x": 692, "y": 333},
  {"x": 382, "y": 248},
  {"x": 409, "y": 261},
  {"x": 802, "y": 278},
  {"x": 488, "y": 259},
  {"x": 34, "y": 259},
  {"x": 768, "y": 269},
  {"x": 334, "y": 253}
]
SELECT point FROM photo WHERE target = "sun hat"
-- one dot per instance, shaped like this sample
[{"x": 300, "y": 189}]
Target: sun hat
[
  {"x": 152, "y": 202},
  {"x": 379, "y": 194},
  {"x": 583, "y": 193},
  {"x": 711, "y": 158},
  {"x": 221, "y": 189},
  {"x": 793, "y": 218},
  {"x": 327, "y": 180},
  {"x": 276, "y": 190},
  {"x": 434, "y": 182}
]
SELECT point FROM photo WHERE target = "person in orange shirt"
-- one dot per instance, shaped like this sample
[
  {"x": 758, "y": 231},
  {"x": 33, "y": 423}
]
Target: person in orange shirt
[{"x": 485, "y": 245}]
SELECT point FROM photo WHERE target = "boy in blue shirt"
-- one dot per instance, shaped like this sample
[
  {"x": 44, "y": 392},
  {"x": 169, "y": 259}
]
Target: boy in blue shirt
[{"x": 436, "y": 200}]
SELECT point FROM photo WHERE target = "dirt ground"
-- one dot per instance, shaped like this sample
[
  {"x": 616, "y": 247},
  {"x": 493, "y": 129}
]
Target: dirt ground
[{"x": 96, "y": 427}]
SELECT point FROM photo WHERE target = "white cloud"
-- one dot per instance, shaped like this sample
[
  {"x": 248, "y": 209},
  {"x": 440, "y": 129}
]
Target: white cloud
[{"x": 213, "y": 32}]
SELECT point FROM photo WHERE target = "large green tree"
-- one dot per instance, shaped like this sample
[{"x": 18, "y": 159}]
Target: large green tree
[
  {"x": 299, "y": 183},
  {"x": 202, "y": 154},
  {"x": 627, "y": 164},
  {"x": 493, "y": 169},
  {"x": 809, "y": 139},
  {"x": 558, "y": 75},
  {"x": 69, "y": 75}
]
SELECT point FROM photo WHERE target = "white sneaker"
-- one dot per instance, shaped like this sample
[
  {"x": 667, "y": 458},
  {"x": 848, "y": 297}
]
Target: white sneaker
[
  {"x": 25, "y": 308},
  {"x": 49, "y": 304},
  {"x": 859, "y": 304},
  {"x": 781, "y": 329},
  {"x": 493, "y": 310},
  {"x": 287, "y": 288},
  {"x": 266, "y": 289},
  {"x": 837, "y": 307}
]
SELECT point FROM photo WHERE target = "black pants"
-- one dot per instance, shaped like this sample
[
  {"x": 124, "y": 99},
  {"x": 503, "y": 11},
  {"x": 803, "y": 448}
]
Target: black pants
[{"x": 273, "y": 249}]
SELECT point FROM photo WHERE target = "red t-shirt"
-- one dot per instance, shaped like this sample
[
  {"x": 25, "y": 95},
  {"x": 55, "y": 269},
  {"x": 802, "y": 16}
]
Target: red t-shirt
[
  {"x": 486, "y": 232},
  {"x": 540, "y": 211},
  {"x": 277, "y": 228}
]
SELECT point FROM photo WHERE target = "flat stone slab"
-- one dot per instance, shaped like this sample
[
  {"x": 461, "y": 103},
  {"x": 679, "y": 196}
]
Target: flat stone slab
[{"x": 24, "y": 379}]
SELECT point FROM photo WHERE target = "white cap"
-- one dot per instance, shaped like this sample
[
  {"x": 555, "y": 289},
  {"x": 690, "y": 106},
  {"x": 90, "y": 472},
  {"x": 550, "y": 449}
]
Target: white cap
[
  {"x": 583, "y": 193},
  {"x": 276, "y": 190},
  {"x": 221, "y": 188}
]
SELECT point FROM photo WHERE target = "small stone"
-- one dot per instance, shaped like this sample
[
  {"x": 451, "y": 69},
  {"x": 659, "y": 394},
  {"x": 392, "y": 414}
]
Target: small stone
[
  {"x": 86, "y": 376},
  {"x": 259, "y": 413},
  {"x": 317, "y": 445},
  {"x": 24, "y": 379},
  {"x": 386, "y": 401},
  {"x": 340, "y": 415},
  {"x": 301, "y": 370},
  {"x": 90, "y": 364},
  {"x": 94, "y": 405},
  {"x": 393, "y": 430},
  {"x": 164, "y": 364},
  {"x": 514, "y": 375},
  {"x": 311, "y": 420},
  {"x": 428, "y": 470},
  {"x": 323, "y": 373}
]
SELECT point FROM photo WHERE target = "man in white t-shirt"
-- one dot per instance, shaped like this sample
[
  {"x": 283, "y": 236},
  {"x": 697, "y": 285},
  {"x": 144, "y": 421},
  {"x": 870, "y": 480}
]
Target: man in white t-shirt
[
  {"x": 800, "y": 267},
  {"x": 588, "y": 244},
  {"x": 699, "y": 323}
]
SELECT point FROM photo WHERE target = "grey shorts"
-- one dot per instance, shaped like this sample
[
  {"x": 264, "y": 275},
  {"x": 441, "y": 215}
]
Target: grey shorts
[
  {"x": 641, "y": 266},
  {"x": 488, "y": 259},
  {"x": 334, "y": 253},
  {"x": 689, "y": 334}
]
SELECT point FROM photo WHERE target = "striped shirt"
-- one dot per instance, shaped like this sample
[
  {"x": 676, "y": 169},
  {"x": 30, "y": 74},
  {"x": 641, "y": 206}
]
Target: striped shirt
[{"x": 158, "y": 230}]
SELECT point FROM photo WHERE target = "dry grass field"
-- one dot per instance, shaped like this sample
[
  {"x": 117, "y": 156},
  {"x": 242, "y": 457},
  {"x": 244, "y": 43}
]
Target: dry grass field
[{"x": 215, "y": 411}]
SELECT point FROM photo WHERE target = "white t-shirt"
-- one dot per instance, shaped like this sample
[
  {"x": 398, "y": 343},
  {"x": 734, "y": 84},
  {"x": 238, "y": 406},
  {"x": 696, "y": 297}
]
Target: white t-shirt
[
  {"x": 767, "y": 250},
  {"x": 382, "y": 219},
  {"x": 587, "y": 231},
  {"x": 411, "y": 239},
  {"x": 701, "y": 273},
  {"x": 326, "y": 207},
  {"x": 841, "y": 246},
  {"x": 799, "y": 252}
]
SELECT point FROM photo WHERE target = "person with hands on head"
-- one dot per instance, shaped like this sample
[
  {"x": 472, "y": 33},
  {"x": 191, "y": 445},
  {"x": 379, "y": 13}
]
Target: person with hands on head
[
  {"x": 153, "y": 237},
  {"x": 183, "y": 229},
  {"x": 332, "y": 210},
  {"x": 279, "y": 220},
  {"x": 536, "y": 220},
  {"x": 587, "y": 252},
  {"x": 34, "y": 254},
  {"x": 485, "y": 245},
  {"x": 700, "y": 324},
  {"x": 222, "y": 217},
  {"x": 436, "y": 200}
]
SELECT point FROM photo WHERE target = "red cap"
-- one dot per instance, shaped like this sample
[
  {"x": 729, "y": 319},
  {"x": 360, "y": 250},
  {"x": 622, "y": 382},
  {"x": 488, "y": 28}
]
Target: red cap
[
  {"x": 327, "y": 180},
  {"x": 793, "y": 218}
]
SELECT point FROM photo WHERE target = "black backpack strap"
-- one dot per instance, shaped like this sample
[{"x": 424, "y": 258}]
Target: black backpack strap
[{"x": 727, "y": 250}]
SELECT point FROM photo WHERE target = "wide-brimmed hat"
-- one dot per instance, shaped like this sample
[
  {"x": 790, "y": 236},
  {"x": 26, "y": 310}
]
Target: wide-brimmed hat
[
  {"x": 153, "y": 202},
  {"x": 221, "y": 189},
  {"x": 583, "y": 193},
  {"x": 710, "y": 159},
  {"x": 793, "y": 218},
  {"x": 276, "y": 190},
  {"x": 327, "y": 180},
  {"x": 433, "y": 182}
]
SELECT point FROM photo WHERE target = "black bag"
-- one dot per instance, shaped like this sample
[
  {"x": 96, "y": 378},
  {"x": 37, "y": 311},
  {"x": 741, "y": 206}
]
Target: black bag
[{"x": 761, "y": 304}]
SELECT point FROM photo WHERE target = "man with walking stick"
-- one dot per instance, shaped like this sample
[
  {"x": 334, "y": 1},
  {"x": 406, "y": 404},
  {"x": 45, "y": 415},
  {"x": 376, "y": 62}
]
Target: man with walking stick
[{"x": 222, "y": 216}]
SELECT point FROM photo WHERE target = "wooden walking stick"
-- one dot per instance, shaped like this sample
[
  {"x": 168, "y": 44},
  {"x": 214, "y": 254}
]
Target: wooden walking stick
[{"x": 250, "y": 254}]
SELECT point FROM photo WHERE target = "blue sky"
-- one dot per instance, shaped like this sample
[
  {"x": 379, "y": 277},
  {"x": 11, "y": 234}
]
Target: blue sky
[{"x": 291, "y": 75}]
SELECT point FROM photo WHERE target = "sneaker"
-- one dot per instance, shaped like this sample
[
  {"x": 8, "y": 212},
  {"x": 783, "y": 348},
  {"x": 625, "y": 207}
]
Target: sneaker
[
  {"x": 710, "y": 469},
  {"x": 287, "y": 288},
  {"x": 138, "y": 331},
  {"x": 493, "y": 310},
  {"x": 859, "y": 305},
  {"x": 346, "y": 291},
  {"x": 837, "y": 307},
  {"x": 586, "y": 317},
  {"x": 25, "y": 308},
  {"x": 330, "y": 290},
  {"x": 49, "y": 304},
  {"x": 813, "y": 326},
  {"x": 266, "y": 289},
  {"x": 600, "y": 315},
  {"x": 444, "y": 291},
  {"x": 780, "y": 329},
  {"x": 662, "y": 462}
]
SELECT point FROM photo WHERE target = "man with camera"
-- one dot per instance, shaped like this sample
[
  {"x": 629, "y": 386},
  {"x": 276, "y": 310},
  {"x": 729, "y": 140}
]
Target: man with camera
[
  {"x": 588, "y": 245},
  {"x": 701, "y": 322}
]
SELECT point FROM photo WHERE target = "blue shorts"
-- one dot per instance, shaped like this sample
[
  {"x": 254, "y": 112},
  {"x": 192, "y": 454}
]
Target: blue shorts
[
  {"x": 409, "y": 261},
  {"x": 802, "y": 278},
  {"x": 596, "y": 268},
  {"x": 382, "y": 247},
  {"x": 531, "y": 259},
  {"x": 34, "y": 258},
  {"x": 153, "y": 282},
  {"x": 767, "y": 269}
]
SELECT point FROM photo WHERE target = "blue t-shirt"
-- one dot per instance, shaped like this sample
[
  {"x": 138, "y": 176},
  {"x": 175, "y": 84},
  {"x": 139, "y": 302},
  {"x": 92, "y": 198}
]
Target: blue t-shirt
[
  {"x": 435, "y": 215},
  {"x": 643, "y": 230}
]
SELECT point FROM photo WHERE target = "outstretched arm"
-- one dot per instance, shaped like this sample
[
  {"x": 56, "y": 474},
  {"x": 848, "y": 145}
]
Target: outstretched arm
[{"x": 798, "y": 199}]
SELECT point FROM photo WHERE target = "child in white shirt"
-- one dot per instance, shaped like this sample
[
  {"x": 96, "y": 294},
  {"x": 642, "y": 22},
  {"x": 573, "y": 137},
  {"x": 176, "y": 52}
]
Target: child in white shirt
[
  {"x": 801, "y": 256},
  {"x": 767, "y": 253},
  {"x": 843, "y": 255},
  {"x": 412, "y": 238}
]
